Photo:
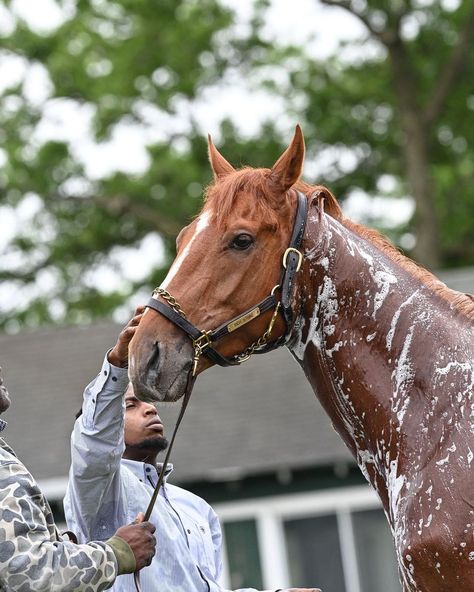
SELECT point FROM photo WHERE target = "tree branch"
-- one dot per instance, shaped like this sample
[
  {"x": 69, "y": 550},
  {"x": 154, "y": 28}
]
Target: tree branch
[
  {"x": 122, "y": 205},
  {"x": 346, "y": 5},
  {"x": 388, "y": 35},
  {"x": 451, "y": 72}
]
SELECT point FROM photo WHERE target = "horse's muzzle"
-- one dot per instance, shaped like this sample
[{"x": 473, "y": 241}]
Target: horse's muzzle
[{"x": 158, "y": 370}]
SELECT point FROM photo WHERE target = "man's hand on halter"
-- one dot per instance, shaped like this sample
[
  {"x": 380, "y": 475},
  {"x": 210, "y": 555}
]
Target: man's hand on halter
[{"x": 118, "y": 355}]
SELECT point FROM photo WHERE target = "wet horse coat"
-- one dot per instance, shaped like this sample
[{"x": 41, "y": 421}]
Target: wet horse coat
[
  {"x": 387, "y": 348},
  {"x": 391, "y": 357}
]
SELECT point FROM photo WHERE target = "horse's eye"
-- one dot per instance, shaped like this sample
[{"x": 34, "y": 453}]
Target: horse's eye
[{"x": 241, "y": 242}]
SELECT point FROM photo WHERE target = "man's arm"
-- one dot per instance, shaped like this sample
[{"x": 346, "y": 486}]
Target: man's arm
[
  {"x": 97, "y": 446},
  {"x": 30, "y": 558}
]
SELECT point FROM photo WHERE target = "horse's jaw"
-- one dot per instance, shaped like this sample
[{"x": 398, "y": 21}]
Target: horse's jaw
[{"x": 160, "y": 371}]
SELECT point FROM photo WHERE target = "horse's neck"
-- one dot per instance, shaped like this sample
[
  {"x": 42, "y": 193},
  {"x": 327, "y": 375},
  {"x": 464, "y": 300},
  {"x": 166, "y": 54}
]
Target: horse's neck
[{"x": 361, "y": 340}]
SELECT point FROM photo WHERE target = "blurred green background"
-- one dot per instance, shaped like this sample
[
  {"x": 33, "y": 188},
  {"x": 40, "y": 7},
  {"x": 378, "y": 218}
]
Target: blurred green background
[{"x": 105, "y": 106}]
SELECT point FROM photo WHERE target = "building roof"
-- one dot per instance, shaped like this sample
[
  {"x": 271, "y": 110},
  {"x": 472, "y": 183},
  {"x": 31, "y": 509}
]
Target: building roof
[
  {"x": 461, "y": 279},
  {"x": 255, "y": 418},
  {"x": 259, "y": 416}
]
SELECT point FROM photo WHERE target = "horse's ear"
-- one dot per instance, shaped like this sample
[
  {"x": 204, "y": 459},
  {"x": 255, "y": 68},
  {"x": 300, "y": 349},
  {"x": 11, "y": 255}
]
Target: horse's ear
[
  {"x": 288, "y": 168},
  {"x": 219, "y": 164}
]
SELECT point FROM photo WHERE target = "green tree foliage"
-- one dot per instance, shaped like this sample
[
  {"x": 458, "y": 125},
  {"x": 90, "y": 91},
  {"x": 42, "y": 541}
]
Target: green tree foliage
[
  {"x": 119, "y": 59},
  {"x": 417, "y": 103},
  {"x": 404, "y": 110}
]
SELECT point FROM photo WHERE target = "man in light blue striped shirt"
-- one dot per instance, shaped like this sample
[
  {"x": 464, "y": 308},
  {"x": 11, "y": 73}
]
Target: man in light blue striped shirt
[{"x": 114, "y": 447}]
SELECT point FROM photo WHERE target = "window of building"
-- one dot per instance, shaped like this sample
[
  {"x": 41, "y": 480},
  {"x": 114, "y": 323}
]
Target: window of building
[
  {"x": 375, "y": 552},
  {"x": 244, "y": 564},
  {"x": 337, "y": 540},
  {"x": 314, "y": 553}
]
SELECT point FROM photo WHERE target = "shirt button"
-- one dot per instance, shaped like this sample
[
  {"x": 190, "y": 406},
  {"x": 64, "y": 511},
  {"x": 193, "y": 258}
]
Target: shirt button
[
  {"x": 105, "y": 372},
  {"x": 114, "y": 378},
  {"x": 189, "y": 532},
  {"x": 148, "y": 469}
]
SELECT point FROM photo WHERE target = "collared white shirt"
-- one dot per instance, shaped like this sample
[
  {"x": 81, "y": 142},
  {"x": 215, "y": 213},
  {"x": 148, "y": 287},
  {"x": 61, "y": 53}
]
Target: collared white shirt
[{"x": 106, "y": 492}]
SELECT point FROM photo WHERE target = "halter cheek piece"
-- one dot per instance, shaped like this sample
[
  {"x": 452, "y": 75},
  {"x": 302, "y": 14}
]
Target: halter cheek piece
[{"x": 203, "y": 340}]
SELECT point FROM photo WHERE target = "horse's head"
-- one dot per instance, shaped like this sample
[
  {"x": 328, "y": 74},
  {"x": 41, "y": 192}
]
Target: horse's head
[{"x": 228, "y": 260}]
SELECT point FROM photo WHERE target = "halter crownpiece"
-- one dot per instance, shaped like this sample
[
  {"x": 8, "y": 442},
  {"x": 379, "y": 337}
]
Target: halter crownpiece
[{"x": 203, "y": 340}]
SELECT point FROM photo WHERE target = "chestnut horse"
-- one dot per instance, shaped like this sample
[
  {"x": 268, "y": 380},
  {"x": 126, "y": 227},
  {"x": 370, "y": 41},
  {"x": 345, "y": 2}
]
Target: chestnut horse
[{"x": 387, "y": 348}]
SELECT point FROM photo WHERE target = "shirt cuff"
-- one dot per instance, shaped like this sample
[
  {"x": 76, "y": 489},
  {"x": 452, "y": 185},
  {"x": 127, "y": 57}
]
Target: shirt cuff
[
  {"x": 111, "y": 375},
  {"x": 109, "y": 385}
]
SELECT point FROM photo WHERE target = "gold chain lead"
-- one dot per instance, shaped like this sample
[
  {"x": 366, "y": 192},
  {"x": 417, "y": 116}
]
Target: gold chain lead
[
  {"x": 261, "y": 341},
  {"x": 174, "y": 304}
]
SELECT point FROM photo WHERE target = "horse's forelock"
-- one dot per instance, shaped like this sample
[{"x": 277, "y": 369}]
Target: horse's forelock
[{"x": 221, "y": 196}]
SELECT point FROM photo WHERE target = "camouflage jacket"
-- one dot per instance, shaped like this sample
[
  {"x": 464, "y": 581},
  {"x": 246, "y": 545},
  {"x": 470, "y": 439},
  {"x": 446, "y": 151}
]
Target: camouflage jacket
[{"x": 33, "y": 558}]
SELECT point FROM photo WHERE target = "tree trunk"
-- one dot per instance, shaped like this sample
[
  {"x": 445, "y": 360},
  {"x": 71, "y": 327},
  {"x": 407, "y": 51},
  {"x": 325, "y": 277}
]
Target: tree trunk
[{"x": 415, "y": 154}]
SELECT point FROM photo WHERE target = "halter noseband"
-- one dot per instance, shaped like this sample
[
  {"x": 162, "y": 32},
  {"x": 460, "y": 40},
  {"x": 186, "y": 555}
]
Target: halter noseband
[{"x": 203, "y": 340}]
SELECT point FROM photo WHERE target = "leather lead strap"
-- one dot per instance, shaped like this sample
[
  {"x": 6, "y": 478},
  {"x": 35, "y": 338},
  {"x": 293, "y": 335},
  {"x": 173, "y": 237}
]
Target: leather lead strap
[{"x": 149, "y": 510}]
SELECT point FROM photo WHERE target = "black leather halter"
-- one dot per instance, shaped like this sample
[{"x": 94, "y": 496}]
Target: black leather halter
[{"x": 203, "y": 340}]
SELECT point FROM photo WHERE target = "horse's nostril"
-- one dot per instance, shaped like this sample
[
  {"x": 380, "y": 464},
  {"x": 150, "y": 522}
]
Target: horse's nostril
[{"x": 155, "y": 356}]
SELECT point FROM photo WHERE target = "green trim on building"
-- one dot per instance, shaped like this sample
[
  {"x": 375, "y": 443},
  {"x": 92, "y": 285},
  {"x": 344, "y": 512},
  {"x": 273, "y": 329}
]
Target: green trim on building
[{"x": 277, "y": 483}]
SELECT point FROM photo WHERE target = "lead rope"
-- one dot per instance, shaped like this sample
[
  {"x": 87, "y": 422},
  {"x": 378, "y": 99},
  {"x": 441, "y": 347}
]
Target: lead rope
[
  {"x": 198, "y": 351},
  {"x": 187, "y": 396}
]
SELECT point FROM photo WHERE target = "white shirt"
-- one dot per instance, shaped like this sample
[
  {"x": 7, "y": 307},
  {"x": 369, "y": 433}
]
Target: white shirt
[{"x": 106, "y": 492}]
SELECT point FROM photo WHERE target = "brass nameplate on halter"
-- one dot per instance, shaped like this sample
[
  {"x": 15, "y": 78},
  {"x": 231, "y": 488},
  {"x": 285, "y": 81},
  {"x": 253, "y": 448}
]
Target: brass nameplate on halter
[{"x": 243, "y": 320}]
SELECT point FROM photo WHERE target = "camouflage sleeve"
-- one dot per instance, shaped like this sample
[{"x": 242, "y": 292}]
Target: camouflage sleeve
[{"x": 30, "y": 556}]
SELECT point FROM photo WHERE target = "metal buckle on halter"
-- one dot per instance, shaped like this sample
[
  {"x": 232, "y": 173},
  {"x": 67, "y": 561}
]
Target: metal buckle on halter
[
  {"x": 293, "y": 250},
  {"x": 202, "y": 342}
]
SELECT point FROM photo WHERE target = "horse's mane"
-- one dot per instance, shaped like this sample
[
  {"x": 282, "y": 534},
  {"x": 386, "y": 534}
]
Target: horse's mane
[
  {"x": 462, "y": 302},
  {"x": 255, "y": 181}
]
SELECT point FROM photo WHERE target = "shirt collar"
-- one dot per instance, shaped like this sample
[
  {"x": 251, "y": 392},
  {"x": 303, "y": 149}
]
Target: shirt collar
[
  {"x": 3, "y": 425},
  {"x": 143, "y": 470}
]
